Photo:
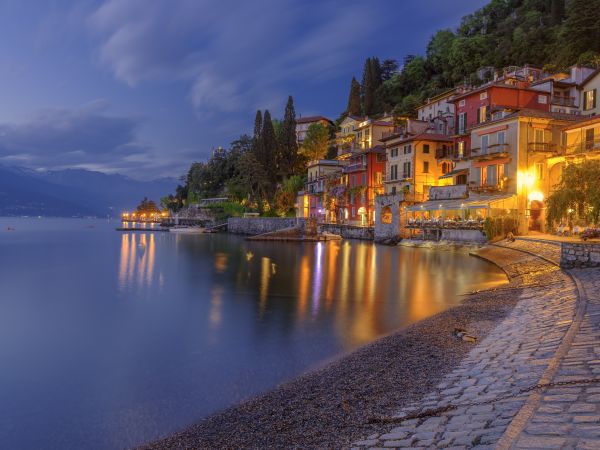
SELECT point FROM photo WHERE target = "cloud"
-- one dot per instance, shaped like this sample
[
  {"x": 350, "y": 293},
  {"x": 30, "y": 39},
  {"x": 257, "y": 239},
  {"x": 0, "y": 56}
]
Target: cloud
[
  {"x": 83, "y": 137},
  {"x": 236, "y": 56}
]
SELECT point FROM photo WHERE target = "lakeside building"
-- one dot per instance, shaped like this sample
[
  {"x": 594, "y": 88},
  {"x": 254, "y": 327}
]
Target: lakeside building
[
  {"x": 438, "y": 111},
  {"x": 303, "y": 123},
  {"x": 314, "y": 198},
  {"x": 361, "y": 133},
  {"x": 574, "y": 92}
]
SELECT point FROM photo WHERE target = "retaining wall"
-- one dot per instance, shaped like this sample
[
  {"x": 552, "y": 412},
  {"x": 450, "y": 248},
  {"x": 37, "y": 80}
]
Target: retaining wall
[
  {"x": 348, "y": 231},
  {"x": 579, "y": 255},
  {"x": 260, "y": 225}
]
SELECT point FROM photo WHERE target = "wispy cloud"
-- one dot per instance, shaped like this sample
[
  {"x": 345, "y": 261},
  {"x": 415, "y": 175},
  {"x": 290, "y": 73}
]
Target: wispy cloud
[{"x": 236, "y": 56}]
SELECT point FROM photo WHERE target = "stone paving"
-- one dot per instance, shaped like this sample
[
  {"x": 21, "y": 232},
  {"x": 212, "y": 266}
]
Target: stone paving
[{"x": 542, "y": 339}]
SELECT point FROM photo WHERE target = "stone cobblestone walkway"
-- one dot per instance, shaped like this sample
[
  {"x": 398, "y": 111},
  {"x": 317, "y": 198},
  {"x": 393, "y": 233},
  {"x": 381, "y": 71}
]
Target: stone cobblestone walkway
[{"x": 549, "y": 336}]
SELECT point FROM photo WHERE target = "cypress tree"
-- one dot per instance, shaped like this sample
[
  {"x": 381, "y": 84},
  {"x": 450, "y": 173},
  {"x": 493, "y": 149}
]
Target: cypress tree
[
  {"x": 367, "y": 88},
  {"x": 269, "y": 147},
  {"x": 371, "y": 81},
  {"x": 257, "y": 137},
  {"x": 288, "y": 145},
  {"x": 353, "y": 108},
  {"x": 557, "y": 11}
]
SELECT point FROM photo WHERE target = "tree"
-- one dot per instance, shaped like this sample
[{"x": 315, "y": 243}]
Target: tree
[
  {"x": 267, "y": 157},
  {"x": 257, "y": 136},
  {"x": 316, "y": 142},
  {"x": 581, "y": 29},
  {"x": 389, "y": 68},
  {"x": 147, "y": 206},
  {"x": 251, "y": 181},
  {"x": 288, "y": 161},
  {"x": 557, "y": 11},
  {"x": 285, "y": 198},
  {"x": 370, "y": 82},
  {"x": 577, "y": 193},
  {"x": 354, "y": 108}
]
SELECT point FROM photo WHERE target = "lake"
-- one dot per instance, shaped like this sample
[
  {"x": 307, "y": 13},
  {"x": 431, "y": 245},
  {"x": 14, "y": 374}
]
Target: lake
[{"x": 111, "y": 339}]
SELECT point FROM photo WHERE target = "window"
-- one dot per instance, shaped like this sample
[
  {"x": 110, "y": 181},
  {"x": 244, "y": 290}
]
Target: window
[
  {"x": 539, "y": 171},
  {"x": 542, "y": 99},
  {"x": 483, "y": 96},
  {"x": 393, "y": 190},
  {"x": 589, "y": 139},
  {"x": 476, "y": 178},
  {"x": 485, "y": 140},
  {"x": 461, "y": 103},
  {"x": 538, "y": 136},
  {"x": 461, "y": 179},
  {"x": 501, "y": 137},
  {"x": 406, "y": 170},
  {"x": 363, "y": 179},
  {"x": 462, "y": 123},
  {"x": 394, "y": 172},
  {"x": 589, "y": 100},
  {"x": 461, "y": 149},
  {"x": 481, "y": 114},
  {"x": 394, "y": 152},
  {"x": 491, "y": 175},
  {"x": 425, "y": 148},
  {"x": 425, "y": 166},
  {"x": 353, "y": 181},
  {"x": 407, "y": 149},
  {"x": 445, "y": 168},
  {"x": 364, "y": 160}
]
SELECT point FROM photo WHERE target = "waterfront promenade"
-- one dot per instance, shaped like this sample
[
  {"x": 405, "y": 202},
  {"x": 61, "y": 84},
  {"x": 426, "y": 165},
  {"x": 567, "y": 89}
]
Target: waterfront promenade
[{"x": 552, "y": 335}]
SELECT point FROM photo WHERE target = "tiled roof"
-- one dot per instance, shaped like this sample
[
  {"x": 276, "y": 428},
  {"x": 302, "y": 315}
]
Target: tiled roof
[
  {"x": 585, "y": 121},
  {"x": 419, "y": 136},
  {"x": 310, "y": 119}
]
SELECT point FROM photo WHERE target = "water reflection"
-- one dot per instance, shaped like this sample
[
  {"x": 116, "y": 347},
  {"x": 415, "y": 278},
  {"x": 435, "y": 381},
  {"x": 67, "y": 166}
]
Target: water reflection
[
  {"x": 111, "y": 339},
  {"x": 136, "y": 262}
]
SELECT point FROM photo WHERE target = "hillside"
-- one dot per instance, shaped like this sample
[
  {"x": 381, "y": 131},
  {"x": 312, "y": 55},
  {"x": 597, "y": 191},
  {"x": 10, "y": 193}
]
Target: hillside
[{"x": 73, "y": 192}]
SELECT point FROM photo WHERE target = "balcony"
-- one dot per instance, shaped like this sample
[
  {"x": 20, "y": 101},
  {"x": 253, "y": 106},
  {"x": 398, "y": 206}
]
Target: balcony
[
  {"x": 568, "y": 102},
  {"x": 542, "y": 147},
  {"x": 489, "y": 188},
  {"x": 584, "y": 147},
  {"x": 492, "y": 151},
  {"x": 355, "y": 167}
]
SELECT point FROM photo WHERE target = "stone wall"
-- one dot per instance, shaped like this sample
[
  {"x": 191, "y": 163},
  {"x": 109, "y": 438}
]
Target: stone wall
[
  {"x": 579, "y": 255},
  {"x": 348, "y": 231},
  {"x": 384, "y": 231},
  {"x": 259, "y": 225}
]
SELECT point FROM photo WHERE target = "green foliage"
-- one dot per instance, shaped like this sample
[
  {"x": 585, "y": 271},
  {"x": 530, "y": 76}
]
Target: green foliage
[
  {"x": 316, "y": 142},
  {"x": 225, "y": 210},
  {"x": 551, "y": 33},
  {"x": 577, "y": 195},
  {"x": 285, "y": 198},
  {"x": 288, "y": 161},
  {"x": 147, "y": 206},
  {"x": 494, "y": 227},
  {"x": 354, "y": 107}
]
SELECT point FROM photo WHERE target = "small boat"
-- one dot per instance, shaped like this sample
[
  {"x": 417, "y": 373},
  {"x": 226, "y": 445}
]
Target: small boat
[{"x": 187, "y": 230}]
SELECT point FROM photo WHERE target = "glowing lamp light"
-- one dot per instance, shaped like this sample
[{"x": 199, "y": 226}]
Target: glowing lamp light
[{"x": 536, "y": 196}]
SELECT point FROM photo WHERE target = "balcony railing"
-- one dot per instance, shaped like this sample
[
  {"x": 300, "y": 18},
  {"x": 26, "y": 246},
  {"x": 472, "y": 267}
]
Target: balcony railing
[
  {"x": 564, "y": 101},
  {"x": 584, "y": 147},
  {"x": 488, "y": 188},
  {"x": 542, "y": 147},
  {"x": 354, "y": 167}
]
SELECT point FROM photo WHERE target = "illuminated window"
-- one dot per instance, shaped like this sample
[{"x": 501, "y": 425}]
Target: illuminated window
[
  {"x": 589, "y": 99},
  {"x": 483, "y": 96}
]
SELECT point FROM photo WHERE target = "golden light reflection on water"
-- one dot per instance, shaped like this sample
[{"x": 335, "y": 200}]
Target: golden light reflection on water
[
  {"x": 137, "y": 260},
  {"x": 366, "y": 289}
]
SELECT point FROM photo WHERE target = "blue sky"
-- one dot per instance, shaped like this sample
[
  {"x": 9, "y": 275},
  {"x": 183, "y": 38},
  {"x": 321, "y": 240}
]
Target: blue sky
[{"x": 145, "y": 87}]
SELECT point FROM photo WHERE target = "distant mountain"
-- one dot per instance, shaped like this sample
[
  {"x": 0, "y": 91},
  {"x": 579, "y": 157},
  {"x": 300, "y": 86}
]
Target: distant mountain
[{"x": 74, "y": 192}]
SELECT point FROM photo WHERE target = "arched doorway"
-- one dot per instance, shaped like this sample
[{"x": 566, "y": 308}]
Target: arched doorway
[{"x": 536, "y": 216}]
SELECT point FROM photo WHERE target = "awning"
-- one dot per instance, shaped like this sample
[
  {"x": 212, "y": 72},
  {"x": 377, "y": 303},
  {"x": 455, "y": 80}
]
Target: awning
[
  {"x": 474, "y": 201},
  {"x": 454, "y": 173}
]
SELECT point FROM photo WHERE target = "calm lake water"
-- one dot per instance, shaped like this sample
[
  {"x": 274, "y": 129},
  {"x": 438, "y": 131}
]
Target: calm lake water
[{"x": 110, "y": 339}]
